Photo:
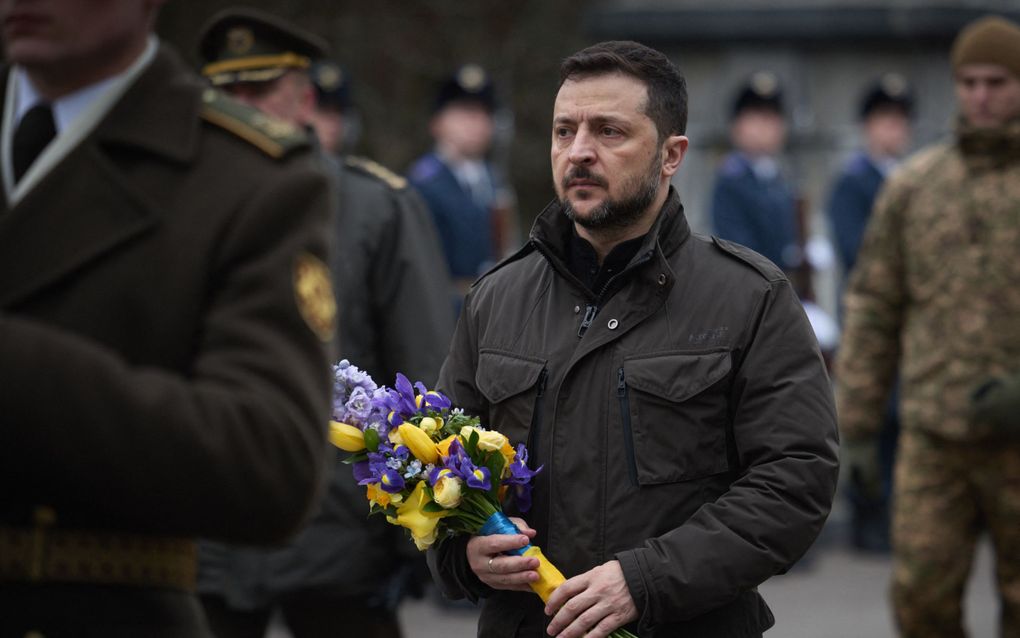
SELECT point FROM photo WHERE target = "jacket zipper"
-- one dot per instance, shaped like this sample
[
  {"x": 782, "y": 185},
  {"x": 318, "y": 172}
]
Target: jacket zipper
[
  {"x": 589, "y": 316},
  {"x": 592, "y": 309},
  {"x": 536, "y": 415},
  {"x": 628, "y": 440}
]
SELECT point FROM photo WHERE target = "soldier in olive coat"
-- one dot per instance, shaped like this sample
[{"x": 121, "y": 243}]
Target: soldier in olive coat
[
  {"x": 165, "y": 325},
  {"x": 345, "y": 572}
]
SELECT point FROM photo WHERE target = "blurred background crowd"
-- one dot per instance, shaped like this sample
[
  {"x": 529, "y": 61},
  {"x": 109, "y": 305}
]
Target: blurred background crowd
[{"x": 799, "y": 109}]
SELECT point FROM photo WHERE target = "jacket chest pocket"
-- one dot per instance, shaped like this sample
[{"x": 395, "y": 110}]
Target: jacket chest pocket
[
  {"x": 513, "y": 385},
  {"x": 674, "y": 415}
]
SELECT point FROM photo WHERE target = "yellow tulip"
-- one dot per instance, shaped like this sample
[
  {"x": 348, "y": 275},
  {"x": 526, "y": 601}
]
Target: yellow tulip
[
  {"x": 395, "y": 438},
  {"x": 421, "y": 445},
  {"x": 411, "y": 515},
  {"x": 346, "y": 437}
]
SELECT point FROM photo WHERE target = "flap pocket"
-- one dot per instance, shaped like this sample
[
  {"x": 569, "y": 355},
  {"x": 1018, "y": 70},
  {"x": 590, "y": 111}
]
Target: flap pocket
[
  {"x": 676, "y": 377},
  {"x": 501, "y": 375}
]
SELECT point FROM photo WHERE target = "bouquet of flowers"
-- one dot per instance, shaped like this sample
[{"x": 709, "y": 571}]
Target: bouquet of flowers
[{"x": 431, "y": 468}]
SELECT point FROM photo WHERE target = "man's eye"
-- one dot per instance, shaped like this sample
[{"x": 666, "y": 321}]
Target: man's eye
[
  {"x": 562, "y": 131},
  {"x": 609, "y": 131}
]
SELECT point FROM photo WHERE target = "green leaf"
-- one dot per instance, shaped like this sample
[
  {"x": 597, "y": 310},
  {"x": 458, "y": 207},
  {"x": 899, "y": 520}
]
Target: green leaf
[
  {"x": 433, "y": 507},
  {"x": 372, "y": 439},
  {"x": 355, "y": 458},
  {"x": 472, "y": 445},
  {"x": 495, "y": 461}
]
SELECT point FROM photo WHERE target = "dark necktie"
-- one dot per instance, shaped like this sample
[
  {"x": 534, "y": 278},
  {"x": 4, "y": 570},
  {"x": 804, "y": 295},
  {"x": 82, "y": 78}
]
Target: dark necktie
[{"x": 34, "y": 132}]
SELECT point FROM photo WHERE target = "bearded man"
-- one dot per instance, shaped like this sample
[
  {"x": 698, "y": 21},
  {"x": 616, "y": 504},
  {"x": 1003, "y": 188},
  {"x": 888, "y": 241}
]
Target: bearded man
[{"x": 669, "y": 384}]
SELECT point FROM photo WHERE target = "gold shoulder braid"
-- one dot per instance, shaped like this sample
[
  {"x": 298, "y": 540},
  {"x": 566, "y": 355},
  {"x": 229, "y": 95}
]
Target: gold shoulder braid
[
  {"x": 272, "y": 136},
  {"x": 376, "y": 170}
]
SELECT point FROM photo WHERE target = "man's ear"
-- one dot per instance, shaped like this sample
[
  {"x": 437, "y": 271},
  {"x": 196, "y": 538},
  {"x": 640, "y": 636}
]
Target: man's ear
[{"x": 674, "y": 150}]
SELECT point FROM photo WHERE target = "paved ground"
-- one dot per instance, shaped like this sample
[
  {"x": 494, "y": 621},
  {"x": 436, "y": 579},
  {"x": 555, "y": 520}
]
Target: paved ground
[{"x": 836, "y": 594}]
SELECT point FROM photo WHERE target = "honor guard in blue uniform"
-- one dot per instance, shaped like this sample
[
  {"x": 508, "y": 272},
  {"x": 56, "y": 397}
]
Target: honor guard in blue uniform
[
  {"x": 752, "y": 203},
  {"x": 885, "y": 112},
  {"x": 457, "y": 179}
]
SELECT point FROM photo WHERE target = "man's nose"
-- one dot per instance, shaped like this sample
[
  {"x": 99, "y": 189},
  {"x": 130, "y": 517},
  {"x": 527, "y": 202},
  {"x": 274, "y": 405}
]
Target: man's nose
[{"x": 582, "y": 149}]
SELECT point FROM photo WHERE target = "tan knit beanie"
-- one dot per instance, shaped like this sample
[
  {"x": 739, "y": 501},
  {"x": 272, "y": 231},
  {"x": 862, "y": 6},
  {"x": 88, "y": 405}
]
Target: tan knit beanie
[{"x": 988, "y": 40}]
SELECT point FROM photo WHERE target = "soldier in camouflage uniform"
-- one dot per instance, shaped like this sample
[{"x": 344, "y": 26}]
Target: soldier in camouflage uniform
[{"x": 935, "y": 295}]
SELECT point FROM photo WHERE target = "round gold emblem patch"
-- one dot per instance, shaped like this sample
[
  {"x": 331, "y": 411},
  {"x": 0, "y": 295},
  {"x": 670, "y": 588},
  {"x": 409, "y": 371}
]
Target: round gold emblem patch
[
  {"x": 313, "y": 292},
  {"x": 240, "y": 40}
]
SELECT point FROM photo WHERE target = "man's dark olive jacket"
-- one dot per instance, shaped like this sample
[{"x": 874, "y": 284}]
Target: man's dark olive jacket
[{"x": 683, "y": 417}]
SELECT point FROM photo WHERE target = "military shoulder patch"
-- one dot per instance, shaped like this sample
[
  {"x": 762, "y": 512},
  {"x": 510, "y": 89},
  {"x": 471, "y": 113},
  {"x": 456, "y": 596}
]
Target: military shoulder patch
[
  {"x": 376, "y": 170},
  {"x": 272, "y": 136},
  {"x": 313, "y": 292}
]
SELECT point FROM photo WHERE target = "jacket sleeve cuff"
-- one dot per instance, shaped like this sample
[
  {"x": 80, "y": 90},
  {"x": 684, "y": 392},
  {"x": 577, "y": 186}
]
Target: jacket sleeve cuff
[
  {"x": 633, "y": 573},
  {"x": 451, "y": 572}
]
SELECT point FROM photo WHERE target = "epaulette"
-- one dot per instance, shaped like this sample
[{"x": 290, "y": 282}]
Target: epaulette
[
  {"x": 769, "y": 270},
  {"x": 272, "y": 136},
  {"x": 377, "y": 170}
]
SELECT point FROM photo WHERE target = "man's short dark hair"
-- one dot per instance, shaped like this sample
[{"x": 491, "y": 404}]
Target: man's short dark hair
[{"x": 667, "y": 89}]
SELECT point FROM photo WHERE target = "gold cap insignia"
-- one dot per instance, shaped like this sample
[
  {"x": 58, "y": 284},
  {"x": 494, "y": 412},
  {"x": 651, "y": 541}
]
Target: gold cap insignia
[
  {"x": 894, "y": 84},
  {"x": 471, "y": 78},
  {"x": 329, "y": 77},
  {"x": 314, "y": 294},
  {"x": 764, "y": 83},
  {"x": 240, "y": 40}
]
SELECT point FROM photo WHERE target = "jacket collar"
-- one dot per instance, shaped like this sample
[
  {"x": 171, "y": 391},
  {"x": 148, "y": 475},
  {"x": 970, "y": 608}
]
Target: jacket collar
[
  {"x": 551, "y": 231},
  {"x": 86, "y": 205}
]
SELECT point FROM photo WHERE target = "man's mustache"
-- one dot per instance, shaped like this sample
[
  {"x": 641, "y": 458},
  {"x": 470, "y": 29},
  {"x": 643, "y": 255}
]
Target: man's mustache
[{"x": 583, "y": 173}]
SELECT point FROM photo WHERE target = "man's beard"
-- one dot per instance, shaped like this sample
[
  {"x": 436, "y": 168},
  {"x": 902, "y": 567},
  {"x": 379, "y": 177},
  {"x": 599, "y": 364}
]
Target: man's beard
[{"x": 638, "y": 194}]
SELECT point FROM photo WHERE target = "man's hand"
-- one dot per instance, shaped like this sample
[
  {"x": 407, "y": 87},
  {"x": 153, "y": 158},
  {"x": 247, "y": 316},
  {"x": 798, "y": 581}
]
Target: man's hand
[
  {"x": 861, "y": 457},
  {"x": 496, "y": 569},
  {"x": 592, "y": 604},
  {"x": 996, "y": 403}
]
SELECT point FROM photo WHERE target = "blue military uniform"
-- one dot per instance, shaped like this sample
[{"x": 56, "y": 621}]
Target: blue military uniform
[
  {"x": 758, "y": 211},
  {"x": 462, "y": 194},
  {"x": 850, "y": 205},
  {"x": 462, "y": 214}
]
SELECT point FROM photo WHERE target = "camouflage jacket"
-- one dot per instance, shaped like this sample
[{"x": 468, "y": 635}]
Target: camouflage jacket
[{"x": 935, "y": 288}]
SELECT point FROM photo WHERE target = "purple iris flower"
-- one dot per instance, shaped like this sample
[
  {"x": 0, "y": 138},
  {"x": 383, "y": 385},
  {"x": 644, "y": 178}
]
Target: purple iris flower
[
  {"x": 478, "y": 478},
  {"x": 391, "y": 481},
  {"x": 520, "y": 478},
  {"x": 431, "y": 398},
  {"x": 363, "y": 472}
]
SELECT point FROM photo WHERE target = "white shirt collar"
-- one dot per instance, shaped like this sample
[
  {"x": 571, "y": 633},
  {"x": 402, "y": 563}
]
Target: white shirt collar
[
  {"x": 75, "y": 115},
  {"x": 65, "y": 109}
]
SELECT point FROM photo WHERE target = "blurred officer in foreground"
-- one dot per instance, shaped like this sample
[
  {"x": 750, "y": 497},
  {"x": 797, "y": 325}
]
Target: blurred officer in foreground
[
  {"x": 343, "y": 575},
  {"x": 934, "y": 296},
  {"x": 165, "y": 319},
  {"x": 885, "y": 114},
  {"x": 464, "y": 194},
  {"x": 752, "y": 203}
]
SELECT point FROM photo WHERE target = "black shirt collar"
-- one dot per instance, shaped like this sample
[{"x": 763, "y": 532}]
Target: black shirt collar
[{"x": 583, "y": 262}]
